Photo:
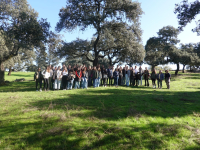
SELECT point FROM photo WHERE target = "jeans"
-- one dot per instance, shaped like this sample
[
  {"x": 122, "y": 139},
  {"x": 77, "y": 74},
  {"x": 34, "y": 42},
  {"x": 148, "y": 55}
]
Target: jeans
[
  {"x": 77, "y": 85},
  {"x": 127, "y": 80},
  {"x": 40, "y": 82},
  {"x": 57, "y": 83},
  {"x": 84, "y": 83},
  {"x": 116, "y": 81},
  {"x": 98, "y": 82},
  {"x": 94, "y": 83},
  {"x": 70, "y": 84},
  {"x": 159, "y": 83},
  {"x": 123, "y": 80}
]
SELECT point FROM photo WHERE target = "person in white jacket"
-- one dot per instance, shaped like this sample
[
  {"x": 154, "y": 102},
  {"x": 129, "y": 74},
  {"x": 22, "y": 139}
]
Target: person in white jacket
[
  {"x": 57, "y": 77},
  {"x": 46, "y": 74}
]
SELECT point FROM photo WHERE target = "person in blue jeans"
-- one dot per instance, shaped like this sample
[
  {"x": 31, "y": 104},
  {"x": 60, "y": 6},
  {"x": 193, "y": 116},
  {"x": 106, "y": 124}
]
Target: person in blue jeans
[
  {"x": 84, "y": 79},
  {"x": 160, "y": 78},
  {"x": 78, "y": 78},
  {"x": 116, "y": 77},
  {"x": 71, "y": 77},
  {"x": 99, "y": 76}
]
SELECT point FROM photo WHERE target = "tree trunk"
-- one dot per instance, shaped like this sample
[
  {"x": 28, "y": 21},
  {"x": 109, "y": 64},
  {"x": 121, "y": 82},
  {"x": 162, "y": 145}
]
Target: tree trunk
[
  {"x": 152, "y": 67},
  {"x": 1, "y": 73},
  {"x": 95, "y": 62},
  {"x": 176, "y": 72},
  {"x": 183, "y": 69},
  {"x": 10, "y": 70}
]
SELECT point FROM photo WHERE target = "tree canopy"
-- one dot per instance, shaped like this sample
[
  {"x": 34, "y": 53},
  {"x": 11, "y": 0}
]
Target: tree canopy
[{"x": 117, "y": 29}]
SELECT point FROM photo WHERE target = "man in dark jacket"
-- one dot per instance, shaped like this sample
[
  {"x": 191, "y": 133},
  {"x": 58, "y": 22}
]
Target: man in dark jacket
[
  {"x": 38, "y": 79},
  {"x": 167, "y": 78}
]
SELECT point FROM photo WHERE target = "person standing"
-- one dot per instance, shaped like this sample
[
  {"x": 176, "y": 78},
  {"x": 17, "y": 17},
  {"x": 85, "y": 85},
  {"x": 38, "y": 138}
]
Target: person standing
[
  {"x": 38, "y": 79},
  {"x": 57, "y": 77},
  {"x": 127, "y": 74},
  {"x": 94, "y": 77},
  {"x": 70, "y": 79},
  {"x": 167, "y": 78},
  {"x": 146, "y": 76},
  {"x": 116, "y": 77},
  {"x": 141, "y": 74},
  {"x": 46, "y": 75},
  {"x": 132, "y": 76},
  {"x": 110, "y": 76},
  {"x": 105, "y": 77},
  {"x": 78, "y": 78},
  {"x": 102, "y": 66},
  {"x": 54, "y": 78},
  {"x": 160, "y": 77},
  {"x": 99, "y": 76},
  {"x": 85, "y": 79},
  {"x": 124, "y": 74},
  {"x": 64, "y": 78},
  {"x": 120, "y": 76},
  {"x": 153, "y": 78},
  {"x": 89, "y": 76}
]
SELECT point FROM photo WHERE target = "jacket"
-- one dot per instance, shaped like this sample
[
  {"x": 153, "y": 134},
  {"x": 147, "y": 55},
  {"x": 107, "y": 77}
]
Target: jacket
[
  {"x": 116, "y": 74},
  {"x": 85, "y": 75},
  {"x": 153, "y": 76},
  {"x": 38, "y": 74},
  {"x": 89, "y": 73},
  {"x": 110, "y": 72},
  {"x": 99, "y": 75},
  {"x": 104, "y": 74},
  {"x": 161, "y": 76},
  {"x": 94, "y": 74},
  {"x": 78, "y": 76},
  {"x": 146, "y": 74}
]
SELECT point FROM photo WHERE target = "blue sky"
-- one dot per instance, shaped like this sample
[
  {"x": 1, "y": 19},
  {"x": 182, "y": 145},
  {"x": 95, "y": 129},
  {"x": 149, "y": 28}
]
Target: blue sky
[{"x": 157, "y": 14}]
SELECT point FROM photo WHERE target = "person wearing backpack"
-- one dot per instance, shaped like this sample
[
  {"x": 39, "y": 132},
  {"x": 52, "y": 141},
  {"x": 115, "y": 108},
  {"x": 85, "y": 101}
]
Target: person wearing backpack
[{"x": 38, "y": 79}]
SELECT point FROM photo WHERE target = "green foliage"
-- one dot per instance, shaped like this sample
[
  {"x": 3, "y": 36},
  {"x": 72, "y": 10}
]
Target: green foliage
[
  {"x": 186, "y": 12},
  {"x": 114, "y": 38},
  {"x": 101, "y": 118}
]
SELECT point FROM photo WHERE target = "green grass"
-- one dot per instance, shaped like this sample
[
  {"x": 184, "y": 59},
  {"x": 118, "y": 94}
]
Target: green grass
[
  {"x": 101, "y": 118},
  {"x": 18, "y": 75}
]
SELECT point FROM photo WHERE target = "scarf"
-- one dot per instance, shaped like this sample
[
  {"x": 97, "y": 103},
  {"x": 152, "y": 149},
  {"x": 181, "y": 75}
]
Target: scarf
[{"x": 78, "y": 75}]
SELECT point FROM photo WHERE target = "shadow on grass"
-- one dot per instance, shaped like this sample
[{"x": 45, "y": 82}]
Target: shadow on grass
[
  {"x": 51, "y": 135},
  {"x": 113, "y": 104}
]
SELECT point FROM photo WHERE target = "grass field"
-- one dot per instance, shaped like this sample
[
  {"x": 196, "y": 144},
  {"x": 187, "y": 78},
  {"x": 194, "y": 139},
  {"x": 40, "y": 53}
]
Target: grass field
[{"x": 101, "y": 118}]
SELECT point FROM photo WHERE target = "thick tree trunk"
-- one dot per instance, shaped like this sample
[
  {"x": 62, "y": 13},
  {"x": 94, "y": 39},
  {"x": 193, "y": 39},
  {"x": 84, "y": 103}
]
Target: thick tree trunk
[
  {"x": 95, "y": 62},
  {"x": 152, "y": 67},
  {"x": 183, "y": 69},
  {"x": 1, "y": 73},
  {"x": 176, "y": 72},
  {"x": 10, "y": 70}
]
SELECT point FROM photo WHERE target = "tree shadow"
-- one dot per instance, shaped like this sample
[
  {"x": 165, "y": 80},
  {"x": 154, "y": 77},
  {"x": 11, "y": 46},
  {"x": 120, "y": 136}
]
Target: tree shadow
[{"x": 112, "y": 104}]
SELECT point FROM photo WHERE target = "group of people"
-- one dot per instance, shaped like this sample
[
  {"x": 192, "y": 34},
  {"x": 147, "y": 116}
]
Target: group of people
[{"x": 66, "y": 78}]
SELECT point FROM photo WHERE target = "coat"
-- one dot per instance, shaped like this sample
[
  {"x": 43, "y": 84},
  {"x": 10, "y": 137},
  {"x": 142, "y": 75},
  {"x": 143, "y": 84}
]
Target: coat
[
  {"x": 38, "y": 75},
  {"x": 161, "y": 76}
]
